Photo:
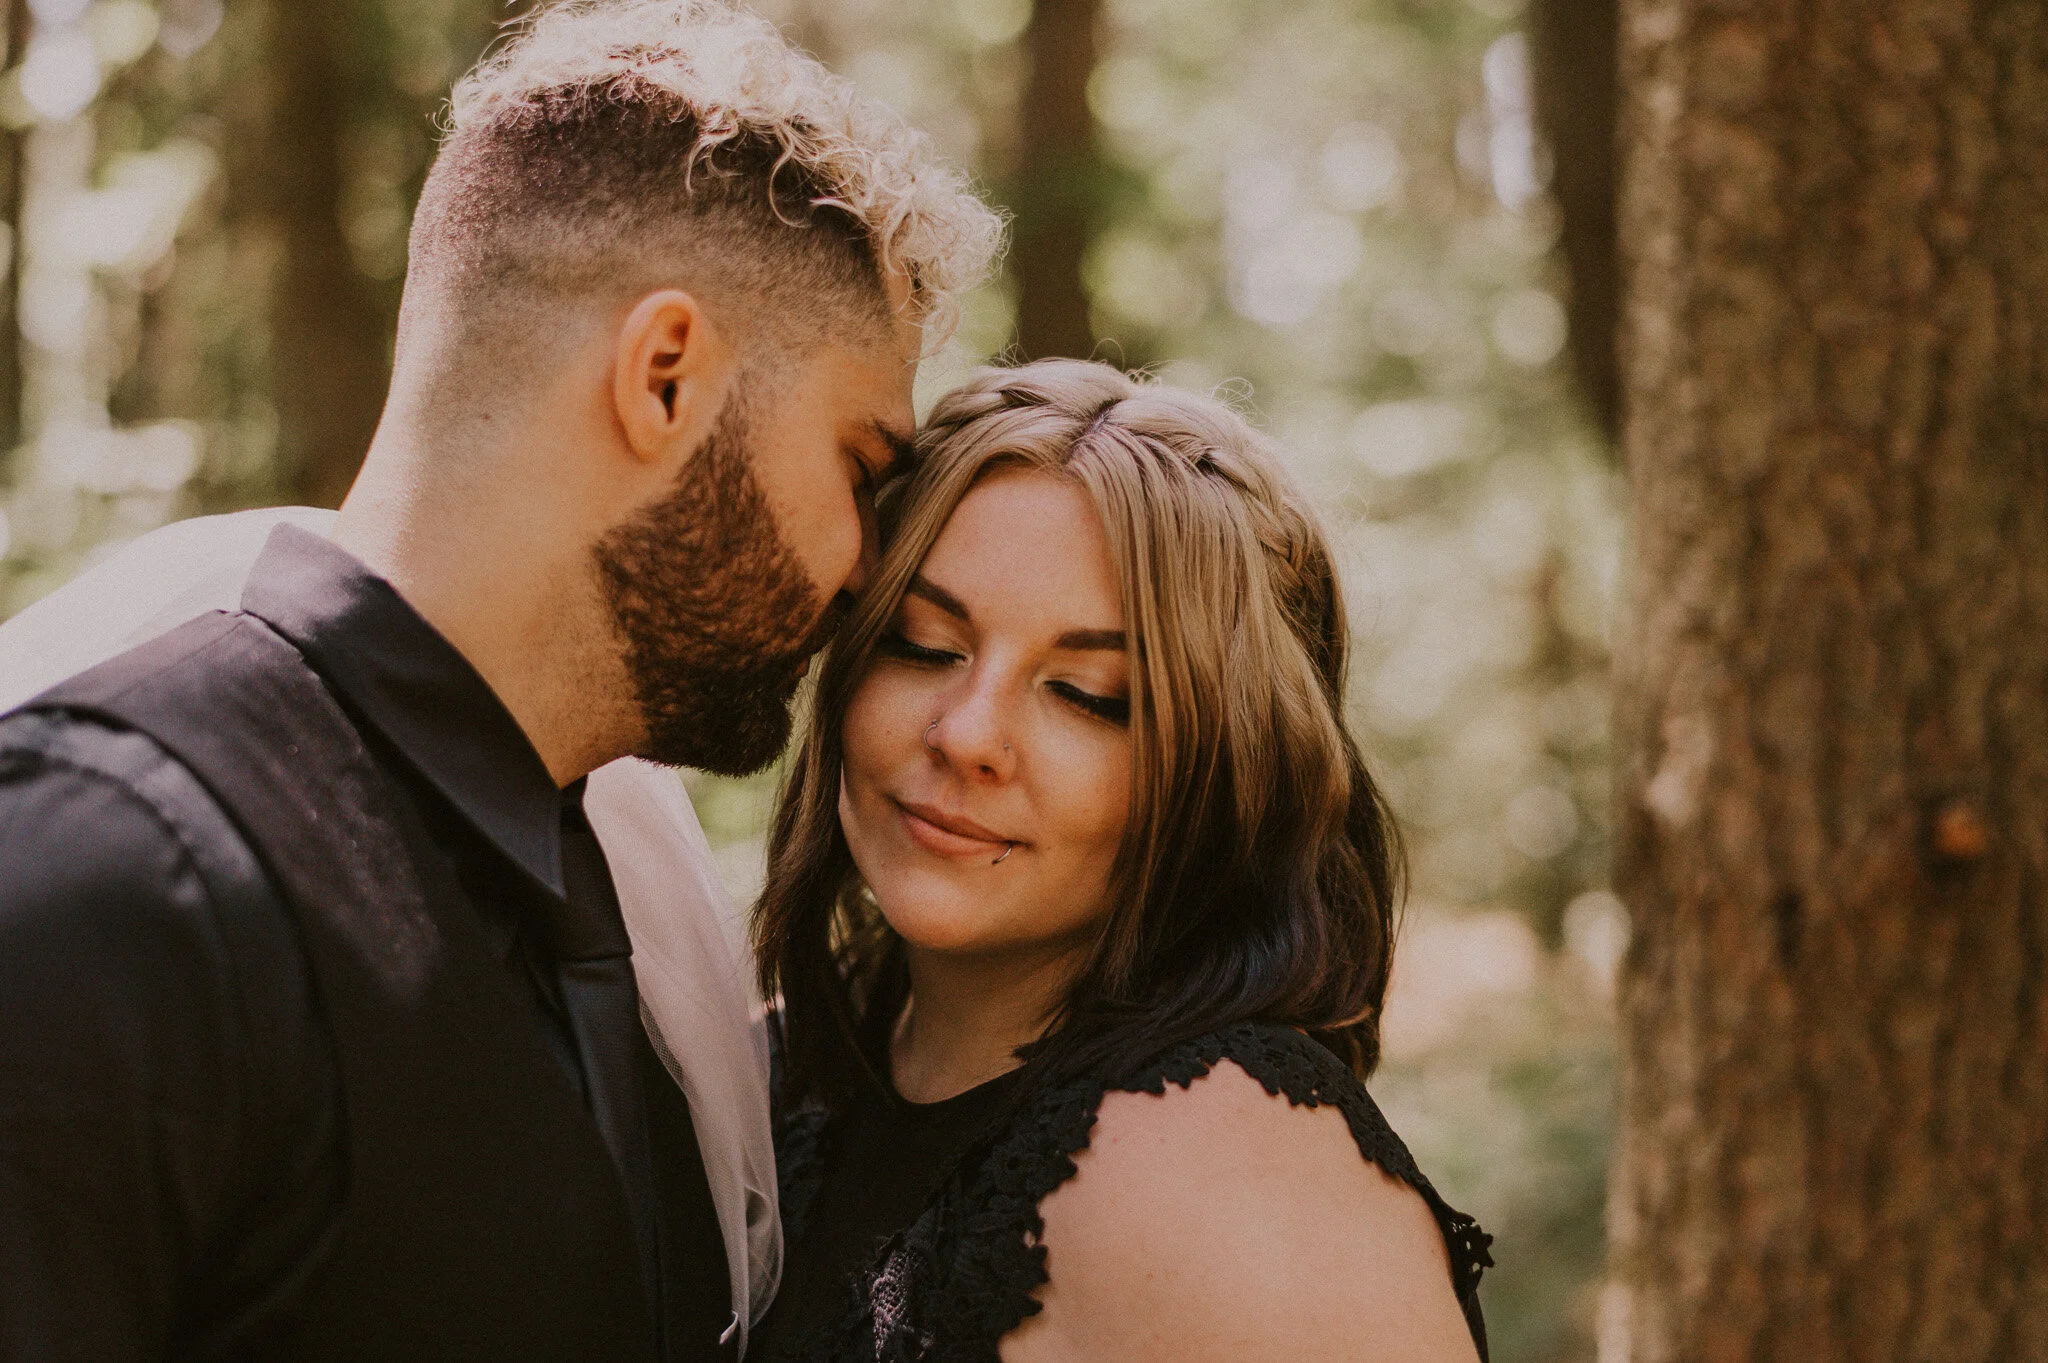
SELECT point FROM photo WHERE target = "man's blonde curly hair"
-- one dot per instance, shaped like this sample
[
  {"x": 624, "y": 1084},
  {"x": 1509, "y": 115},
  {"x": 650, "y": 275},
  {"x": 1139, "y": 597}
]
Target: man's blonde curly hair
[{"x": 717, "y": 94}]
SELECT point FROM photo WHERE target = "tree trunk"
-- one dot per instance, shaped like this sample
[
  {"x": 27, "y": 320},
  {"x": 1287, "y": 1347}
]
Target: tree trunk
[
  {"x": 1835, "y": 715},
  {"x": 1572, "y": 46},
  {"x": 1058, "y": 183},
  {"x": 329, "y": 338}
]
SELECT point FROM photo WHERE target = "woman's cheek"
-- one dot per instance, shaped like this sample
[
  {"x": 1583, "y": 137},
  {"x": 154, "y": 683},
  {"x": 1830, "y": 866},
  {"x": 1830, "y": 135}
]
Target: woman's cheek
[
  {"x": 1108, "y": 803},
  {"x": 856, "y": 730},
  {"x": 1094, "y": 804},
  {"x": 873, "y": 733}
]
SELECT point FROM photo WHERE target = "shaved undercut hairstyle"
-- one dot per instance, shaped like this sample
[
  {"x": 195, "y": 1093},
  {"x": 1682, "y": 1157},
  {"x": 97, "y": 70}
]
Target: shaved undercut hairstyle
[{"x": 610, "y": 148}]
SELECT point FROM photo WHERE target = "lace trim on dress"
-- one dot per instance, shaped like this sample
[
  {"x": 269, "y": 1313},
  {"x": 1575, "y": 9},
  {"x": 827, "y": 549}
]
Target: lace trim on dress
[
  {"x": 963, "y": 1276},
  {"x": 800, "y": 1155}
]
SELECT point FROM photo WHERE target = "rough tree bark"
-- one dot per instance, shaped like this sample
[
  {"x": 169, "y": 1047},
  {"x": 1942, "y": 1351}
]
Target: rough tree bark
[
  {"x": 329, "y": 336},
  {"x": 1835, "y": 799},
  {"x": 1058, "y": 179}
]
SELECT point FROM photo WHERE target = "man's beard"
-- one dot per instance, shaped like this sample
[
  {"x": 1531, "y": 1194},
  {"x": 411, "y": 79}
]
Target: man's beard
[{"x": 716, "y": 614}]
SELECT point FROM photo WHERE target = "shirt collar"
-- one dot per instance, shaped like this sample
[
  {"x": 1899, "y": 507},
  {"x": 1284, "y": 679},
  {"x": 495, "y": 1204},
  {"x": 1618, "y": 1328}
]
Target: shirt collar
[{"x": 402, "y": 676}]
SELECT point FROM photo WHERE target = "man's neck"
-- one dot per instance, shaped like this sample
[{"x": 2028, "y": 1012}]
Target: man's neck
[{"x": 514, "y": 596}]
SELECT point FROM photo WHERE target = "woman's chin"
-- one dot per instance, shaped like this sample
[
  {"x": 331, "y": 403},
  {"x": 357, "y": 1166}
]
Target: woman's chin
[
  {"x": 953, "y": 924},
  {"x": 943, "y": 934}
]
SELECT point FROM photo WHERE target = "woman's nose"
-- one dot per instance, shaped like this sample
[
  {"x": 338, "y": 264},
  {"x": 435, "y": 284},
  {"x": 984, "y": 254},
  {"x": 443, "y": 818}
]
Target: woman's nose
[{"x": 971, "y": 733}]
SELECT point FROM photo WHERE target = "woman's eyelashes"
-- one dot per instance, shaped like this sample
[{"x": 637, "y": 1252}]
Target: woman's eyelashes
[
  {"x": 1115, "y": 709},
  {"x": 899, "y": 646},
  {"x": 895, "y": 644}
]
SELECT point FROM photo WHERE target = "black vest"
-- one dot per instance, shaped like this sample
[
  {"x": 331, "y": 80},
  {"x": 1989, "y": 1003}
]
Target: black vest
[{"x": 483, "y": 1218}]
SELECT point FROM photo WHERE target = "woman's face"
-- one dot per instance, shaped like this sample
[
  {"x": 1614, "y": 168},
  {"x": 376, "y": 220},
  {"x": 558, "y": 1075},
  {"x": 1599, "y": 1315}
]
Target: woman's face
[{"x": 987, "y": 763}]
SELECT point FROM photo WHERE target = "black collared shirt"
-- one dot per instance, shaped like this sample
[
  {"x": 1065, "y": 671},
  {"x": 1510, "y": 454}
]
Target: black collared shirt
[{"x": 171, "y": 1156}]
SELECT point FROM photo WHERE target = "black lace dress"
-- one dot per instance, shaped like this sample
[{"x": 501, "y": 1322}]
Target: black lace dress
[{"x": 949, "y": 1280}]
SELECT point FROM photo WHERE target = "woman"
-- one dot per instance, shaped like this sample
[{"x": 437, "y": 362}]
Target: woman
[{"x": 1080, "y": 907}]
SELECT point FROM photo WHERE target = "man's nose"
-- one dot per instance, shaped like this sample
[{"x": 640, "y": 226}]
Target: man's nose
[
  {"x": 863, "y": 569},
  {"x": 868, "y": 557}
]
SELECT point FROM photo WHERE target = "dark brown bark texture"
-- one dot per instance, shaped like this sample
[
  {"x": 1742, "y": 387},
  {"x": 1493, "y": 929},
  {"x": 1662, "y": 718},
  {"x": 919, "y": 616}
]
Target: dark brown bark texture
[
  {"x": 1058, "y": 181},
  {"x": 329, "y": 336},
  {"x": 1835, "y": 715}
]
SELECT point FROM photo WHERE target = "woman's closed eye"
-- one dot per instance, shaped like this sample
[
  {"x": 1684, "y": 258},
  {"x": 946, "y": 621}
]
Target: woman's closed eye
[
  {"x": 898, "y": 645},
  {"x": 895, "y": 644},
  {"x": 1114, "y": 709}
]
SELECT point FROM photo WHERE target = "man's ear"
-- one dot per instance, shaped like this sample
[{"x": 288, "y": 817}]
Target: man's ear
[{"x": 669, "y": 375}]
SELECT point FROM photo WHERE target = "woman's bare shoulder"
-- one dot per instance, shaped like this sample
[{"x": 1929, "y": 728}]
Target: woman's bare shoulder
[{"x": 1218, "y": 1221}]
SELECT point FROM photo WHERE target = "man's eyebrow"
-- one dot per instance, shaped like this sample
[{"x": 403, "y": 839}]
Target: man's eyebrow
[
  {"x": 926, "y": 589},
  {"x": 1086, "y": 639},
  {"x": 902, "y": 447}
]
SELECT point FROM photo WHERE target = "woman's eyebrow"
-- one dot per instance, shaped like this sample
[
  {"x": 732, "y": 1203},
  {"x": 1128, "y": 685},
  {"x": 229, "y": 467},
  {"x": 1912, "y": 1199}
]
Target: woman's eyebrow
[
  {"x": 928, "y": 590},
  {"x": 1076, "y": 640}
]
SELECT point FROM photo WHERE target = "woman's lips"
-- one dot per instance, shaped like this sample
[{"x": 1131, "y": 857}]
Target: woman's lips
[{"x": 950, "y": 835}]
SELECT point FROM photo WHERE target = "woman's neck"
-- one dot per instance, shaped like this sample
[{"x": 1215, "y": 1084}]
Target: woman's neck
[{"x": 966, "y": 1018}]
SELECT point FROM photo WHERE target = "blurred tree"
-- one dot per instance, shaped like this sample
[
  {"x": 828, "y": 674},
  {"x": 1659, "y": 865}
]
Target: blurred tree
[
  {"x": 346, "y": 141},
  {"x": 1835, "y": 795},
  {"x": 1059, "y": 181},
  {"x": 275, "y": 327},
  {"x": 1573, "y": 50},
  {"x": 329, "y": 338}
]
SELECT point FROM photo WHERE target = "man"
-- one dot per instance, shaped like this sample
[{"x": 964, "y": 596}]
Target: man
[
  {"x": 691, "y": 963},
  {"x": 318, "y": 1036}
]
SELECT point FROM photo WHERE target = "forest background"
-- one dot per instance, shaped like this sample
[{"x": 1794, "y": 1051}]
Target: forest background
[{"x": 1338, "y": 212}]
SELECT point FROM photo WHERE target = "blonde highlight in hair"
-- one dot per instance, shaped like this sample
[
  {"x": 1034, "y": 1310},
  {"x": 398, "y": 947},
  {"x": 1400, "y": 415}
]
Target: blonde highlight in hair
[{"x": 1258, "y": 875}]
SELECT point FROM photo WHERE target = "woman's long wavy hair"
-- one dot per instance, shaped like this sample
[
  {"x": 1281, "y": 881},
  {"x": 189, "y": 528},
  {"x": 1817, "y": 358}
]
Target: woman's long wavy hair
[{"x": 1258, "y": 871}]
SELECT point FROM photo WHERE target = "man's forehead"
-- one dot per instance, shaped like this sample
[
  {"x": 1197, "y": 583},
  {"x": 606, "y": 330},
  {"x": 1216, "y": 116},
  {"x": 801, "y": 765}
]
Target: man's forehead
[
  {"x": 878, "y": 381},
  {"x": 872, "y": 375},
  {"x": 866, "y": 398}
]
